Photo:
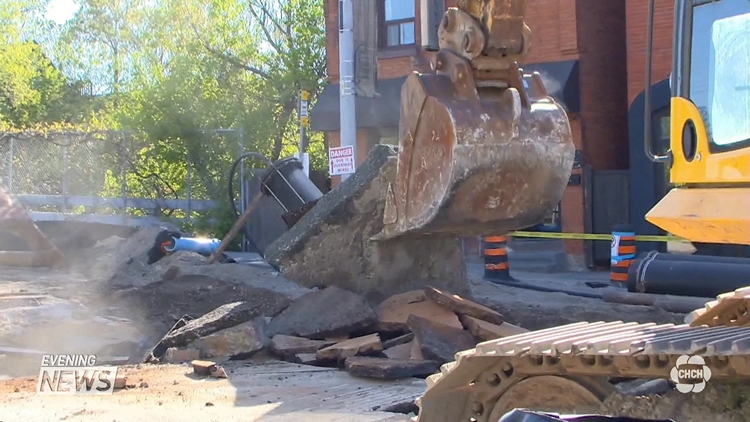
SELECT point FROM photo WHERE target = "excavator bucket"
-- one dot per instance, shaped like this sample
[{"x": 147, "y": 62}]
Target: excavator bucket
[{"x": 476, "y": 159}]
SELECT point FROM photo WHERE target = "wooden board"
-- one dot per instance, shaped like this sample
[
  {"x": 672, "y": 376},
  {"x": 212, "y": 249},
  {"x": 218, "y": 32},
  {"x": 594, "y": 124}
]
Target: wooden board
[
  {"x": 463, "y": 306},
  {"x": 394, "y": 311},
  {"x": 357, "y": 346}
]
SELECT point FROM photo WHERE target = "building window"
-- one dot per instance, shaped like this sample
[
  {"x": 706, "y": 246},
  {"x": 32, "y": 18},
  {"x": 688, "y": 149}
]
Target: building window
[{"x": 399, "y": 26}]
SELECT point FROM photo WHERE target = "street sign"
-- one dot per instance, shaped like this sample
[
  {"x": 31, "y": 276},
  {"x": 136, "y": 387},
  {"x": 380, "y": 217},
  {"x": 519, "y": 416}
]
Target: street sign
[
  {"x": 304, "y": 116},
  {"x": 341, "y": 160}
]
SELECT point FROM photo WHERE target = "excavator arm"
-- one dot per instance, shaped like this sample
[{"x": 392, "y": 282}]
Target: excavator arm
[{"x": 483, "y": 148}]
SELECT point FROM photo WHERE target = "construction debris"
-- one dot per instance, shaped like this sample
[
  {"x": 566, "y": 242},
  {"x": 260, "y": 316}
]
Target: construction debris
[
  {"x": 437, "y": 341},
  {"x": 290, "y": 346},
  {"x": 331, "y": 244},
  {"x": 411, "y": 335},
  {"x": 402, "y": 351},
  {"x": 208, "y": 368},
  {"x": 181, "y": 355},
  {"x": 404, "y": 339},
  {"x": 225, "y": 316},
  {"x": 241, "y": 339},
  {"x": 362, "y": 346},
  {"x": 14, "y": 219},
  {"x": 394, "y": 312},
  {"x": 329, "y": 312},
  {"x": 390, "y": 369},
  {"x": 463, "y": 306}
]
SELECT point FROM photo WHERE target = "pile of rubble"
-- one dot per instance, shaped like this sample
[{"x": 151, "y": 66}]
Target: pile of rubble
[{"x": 407, "y": 335}]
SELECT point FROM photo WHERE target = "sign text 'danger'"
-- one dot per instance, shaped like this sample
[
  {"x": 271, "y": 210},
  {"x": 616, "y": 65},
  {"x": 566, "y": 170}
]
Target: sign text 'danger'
[{"x": 341, "y": 161}]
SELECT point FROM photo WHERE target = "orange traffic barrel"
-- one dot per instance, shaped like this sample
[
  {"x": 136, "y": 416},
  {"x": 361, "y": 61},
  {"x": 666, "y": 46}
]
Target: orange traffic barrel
[
  {"x": 622, "y": 255},
  {"x": 496, "y": 265}
]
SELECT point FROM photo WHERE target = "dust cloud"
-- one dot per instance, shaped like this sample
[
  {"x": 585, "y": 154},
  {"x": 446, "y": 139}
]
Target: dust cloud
[{"x": 108, "y": 301}]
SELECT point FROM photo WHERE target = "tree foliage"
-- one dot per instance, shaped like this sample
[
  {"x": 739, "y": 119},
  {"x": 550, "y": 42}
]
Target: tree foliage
[{"x": 170, "y": 73}]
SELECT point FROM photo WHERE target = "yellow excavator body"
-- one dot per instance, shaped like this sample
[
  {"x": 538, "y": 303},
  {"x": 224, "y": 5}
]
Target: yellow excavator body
[
  {"x": 566, "y": 369},
  {"x": 709, "y": 152}
]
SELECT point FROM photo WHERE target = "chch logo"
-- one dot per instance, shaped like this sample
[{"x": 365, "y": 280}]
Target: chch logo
[{"x": 690, "y": 374}]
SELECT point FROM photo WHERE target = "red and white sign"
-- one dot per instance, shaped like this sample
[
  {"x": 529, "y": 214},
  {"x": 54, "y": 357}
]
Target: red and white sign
[{"x": 341, "y": 160}]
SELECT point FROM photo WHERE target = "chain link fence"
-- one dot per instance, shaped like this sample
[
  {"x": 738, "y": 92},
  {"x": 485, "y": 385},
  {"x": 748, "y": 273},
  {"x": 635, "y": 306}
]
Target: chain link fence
[{"x": 103, "y": 172}]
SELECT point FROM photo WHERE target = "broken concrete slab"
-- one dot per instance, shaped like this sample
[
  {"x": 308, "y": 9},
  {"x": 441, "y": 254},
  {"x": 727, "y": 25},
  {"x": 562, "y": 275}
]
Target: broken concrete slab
[
  {"x": 406, "y": 338},
  {"x": 241, "y": 339},
  {"x": 120, "y": 383},
  {"x": 330, "y": 245},
  {"x": 416, "y": 350},
  {"x": 463, "y": 306},
  {"x": 402, "y": 351},
  {"x": 484, "y": 330},
  {"x": 160, "y": 348},
  {"x": 220, "y": 318},
  {"x": 289, "y": 346},
  {"x": 180, "y": 355},
  {"x": 357, "y": 346},
  {"x": 389, "y": 369},
  {"x": 203, "y": 367},
  {"x": 329, "y": 312},
  {"x": 306, "y": 358},
  {"x": 394, "y": 311},
  {"x": 439, "y": 342}
]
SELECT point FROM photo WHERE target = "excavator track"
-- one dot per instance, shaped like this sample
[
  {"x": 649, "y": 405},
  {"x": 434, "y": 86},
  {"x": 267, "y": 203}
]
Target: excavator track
[
  {"x": 729, "y": 309},
  {"x": 566, "y": 368}
]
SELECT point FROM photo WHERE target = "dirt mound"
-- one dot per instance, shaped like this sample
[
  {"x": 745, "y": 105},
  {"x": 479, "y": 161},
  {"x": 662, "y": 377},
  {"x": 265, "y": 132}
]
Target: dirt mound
[
  {"x": 159, "y": 305},
  {"x": 155, "y": 296},
  {"x": 114, "y": 256}
]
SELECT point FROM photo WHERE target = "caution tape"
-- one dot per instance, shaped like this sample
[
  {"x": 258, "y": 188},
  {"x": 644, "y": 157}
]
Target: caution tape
[{"x": 593, "y": 236}]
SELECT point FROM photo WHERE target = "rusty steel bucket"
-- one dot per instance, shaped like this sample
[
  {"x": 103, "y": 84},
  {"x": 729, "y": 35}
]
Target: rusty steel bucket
[{"x": 476, "y": 158}]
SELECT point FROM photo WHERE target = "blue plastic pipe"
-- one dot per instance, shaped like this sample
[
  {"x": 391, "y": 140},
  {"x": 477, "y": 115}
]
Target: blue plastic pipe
[{"x": 198, "y": 245}]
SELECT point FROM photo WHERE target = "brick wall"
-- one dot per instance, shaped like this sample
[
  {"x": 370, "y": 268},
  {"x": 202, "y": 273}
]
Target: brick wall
[
  {"x": 592, "y": 31},
  {"x": 637, "y": 21},
  {"x": 553, "y": 30},
  {"x": 332, "y": 39},
  {"x": 603, "y": 66}
]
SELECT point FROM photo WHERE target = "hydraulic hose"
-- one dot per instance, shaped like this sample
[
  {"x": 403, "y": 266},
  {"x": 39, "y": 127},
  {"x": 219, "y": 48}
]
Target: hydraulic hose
[{"x": 230, "y": 190}]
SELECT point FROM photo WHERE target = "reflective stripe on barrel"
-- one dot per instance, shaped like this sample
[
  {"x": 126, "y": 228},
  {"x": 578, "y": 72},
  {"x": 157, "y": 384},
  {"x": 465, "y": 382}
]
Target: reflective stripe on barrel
[
  {"x": 496, "y": 265},
  {"x": 622, "y": 255}
]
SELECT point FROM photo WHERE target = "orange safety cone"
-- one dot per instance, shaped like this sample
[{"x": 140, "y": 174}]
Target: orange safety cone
[
  {"x": 496, "y": 264},
  {"x": 622, "y": 255}
]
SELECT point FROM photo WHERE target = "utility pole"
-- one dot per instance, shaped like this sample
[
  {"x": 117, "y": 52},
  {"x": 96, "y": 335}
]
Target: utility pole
[
  {"x": 304, "y": 122},
  {"x": 348, "y": 125}
]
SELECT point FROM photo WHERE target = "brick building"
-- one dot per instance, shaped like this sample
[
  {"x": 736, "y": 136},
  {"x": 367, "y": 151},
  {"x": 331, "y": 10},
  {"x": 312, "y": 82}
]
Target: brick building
[
  {"x": 589, "y": 52},
  {"x": 648, "y": 181}
]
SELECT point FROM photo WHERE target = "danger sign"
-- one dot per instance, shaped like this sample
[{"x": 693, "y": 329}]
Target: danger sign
[{"x": 341, "y": 160}]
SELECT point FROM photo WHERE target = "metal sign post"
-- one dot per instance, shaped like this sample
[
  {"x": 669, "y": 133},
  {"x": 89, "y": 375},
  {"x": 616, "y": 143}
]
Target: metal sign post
[{"x": 304, "y": 123}]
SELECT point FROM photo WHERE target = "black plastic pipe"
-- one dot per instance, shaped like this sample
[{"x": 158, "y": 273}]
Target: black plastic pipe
[
  {"x": 660, "y": 256},
  {"x": 688, "y": 275}
]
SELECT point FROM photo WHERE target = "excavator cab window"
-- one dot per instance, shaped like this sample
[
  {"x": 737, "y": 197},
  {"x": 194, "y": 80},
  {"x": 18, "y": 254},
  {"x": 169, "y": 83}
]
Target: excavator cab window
[{"x": 720, "y": 70}]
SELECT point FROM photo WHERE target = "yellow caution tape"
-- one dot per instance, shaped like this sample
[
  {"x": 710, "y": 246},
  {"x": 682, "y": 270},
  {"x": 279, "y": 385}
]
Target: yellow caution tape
[{"x": 592, "y": 236}]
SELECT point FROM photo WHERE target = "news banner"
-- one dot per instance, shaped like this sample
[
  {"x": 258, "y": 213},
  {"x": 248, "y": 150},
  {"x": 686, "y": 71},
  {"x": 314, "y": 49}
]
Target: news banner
[{"x": 75, "y": 375}]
